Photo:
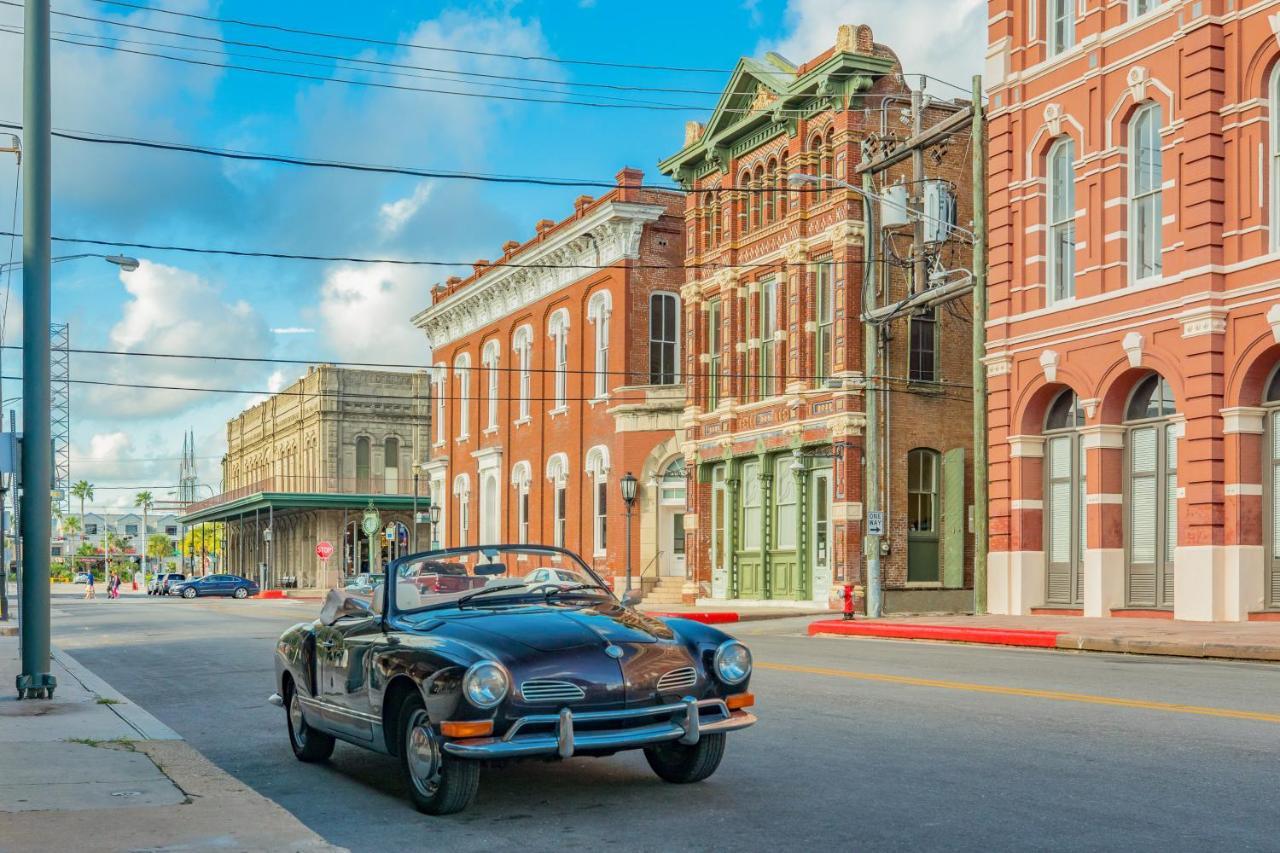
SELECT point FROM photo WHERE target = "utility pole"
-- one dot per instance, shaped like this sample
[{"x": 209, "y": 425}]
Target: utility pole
[
  {"x": 872, "y": 457},
  {"x": 35, "y": 680},
  {"x": 980, "y": 473},
  {"x": 918, "y": 270}
]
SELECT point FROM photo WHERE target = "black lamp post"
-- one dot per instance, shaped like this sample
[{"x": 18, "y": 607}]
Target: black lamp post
[
  {"x": 628, "y": 498},
  {"x": 434, "y": 511}
]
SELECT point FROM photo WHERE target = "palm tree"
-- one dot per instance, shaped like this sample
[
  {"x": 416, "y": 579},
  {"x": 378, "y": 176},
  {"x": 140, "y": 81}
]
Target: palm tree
[
  {"x": 83, "y": 490},
  {"x": 71, "y": 526},
  {"x": 145, "y": 500}
]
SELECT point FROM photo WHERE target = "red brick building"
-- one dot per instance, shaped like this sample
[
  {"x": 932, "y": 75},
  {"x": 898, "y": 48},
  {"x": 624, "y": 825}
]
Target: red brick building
[
  {"x": 557, "y": 369},
  {"x": 1135, "y": 309},
  {"x": 774, "y": 343}
]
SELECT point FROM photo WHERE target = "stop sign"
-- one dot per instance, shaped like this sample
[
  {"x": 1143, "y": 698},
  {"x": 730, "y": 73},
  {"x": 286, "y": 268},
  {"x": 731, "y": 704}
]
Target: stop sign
[{"x": 324, "y": 549}]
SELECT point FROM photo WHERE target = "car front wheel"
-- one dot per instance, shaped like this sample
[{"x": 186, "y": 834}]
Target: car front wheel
[
  {"x": 308, "y": 744},
  {"x": 439, "y": 784},
  {"x": 241, "y": 592},
  {"x": 681, "y": 764},
  {"x": 188, "y": 593}
]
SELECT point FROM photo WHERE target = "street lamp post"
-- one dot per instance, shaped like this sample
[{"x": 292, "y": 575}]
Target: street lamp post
[
  {"x": 434, "y": 512},
  {"x": 629, "y": 498},
  {"x": 413, "y": 531}
]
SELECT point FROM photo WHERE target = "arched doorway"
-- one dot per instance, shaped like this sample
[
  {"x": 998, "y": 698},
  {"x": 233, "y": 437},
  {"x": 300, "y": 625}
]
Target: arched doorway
[
  {"x": 1151, "y": 451},
  {"x": 1064, "y": 496},
  {"x": 1271, "y": 488},
  {"x": 671, "y": 503}
]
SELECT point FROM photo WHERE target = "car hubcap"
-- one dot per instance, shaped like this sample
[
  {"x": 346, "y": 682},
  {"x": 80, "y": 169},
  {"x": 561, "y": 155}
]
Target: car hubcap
[
  {"x": 296, "y": 723},
  {"x": 423, "y": 754}
]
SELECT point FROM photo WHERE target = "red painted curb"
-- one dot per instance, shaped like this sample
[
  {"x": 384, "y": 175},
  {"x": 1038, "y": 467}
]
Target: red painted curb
[
  {"x": 713, "y": 618},
  {"x": 949, "y": 633},
  {"x": 270, "y": 593}
]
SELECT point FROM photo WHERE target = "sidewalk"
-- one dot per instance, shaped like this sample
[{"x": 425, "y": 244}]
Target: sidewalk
[
  {"x": 1259, "y": 641},
  {"x": 91, "y": 771}
]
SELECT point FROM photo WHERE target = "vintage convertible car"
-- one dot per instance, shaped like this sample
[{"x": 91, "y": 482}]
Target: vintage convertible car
[{"x": 511, "y": 669}]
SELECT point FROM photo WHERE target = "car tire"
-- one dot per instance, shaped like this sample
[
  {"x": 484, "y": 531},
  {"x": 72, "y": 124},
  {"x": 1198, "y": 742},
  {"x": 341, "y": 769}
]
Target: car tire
[
  {"x": 309, "y": 745},
  {"x": 681, "y": 764},
  {"x": 188, "y": 593},
  {"x": 438, "y": 783},
  {"x": 240, "y": 592}
]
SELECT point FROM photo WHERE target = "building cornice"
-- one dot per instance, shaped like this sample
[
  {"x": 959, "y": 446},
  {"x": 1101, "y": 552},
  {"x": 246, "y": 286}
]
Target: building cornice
[{"x": 609, "y": 234}]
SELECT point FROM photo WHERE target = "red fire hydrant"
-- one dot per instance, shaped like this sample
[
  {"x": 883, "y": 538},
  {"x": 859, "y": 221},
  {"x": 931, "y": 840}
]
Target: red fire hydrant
[{"x": 847, "y": 593}]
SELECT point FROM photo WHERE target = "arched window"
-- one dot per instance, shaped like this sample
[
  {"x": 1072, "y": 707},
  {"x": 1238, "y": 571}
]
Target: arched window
[
  {"x": 771, "y": 192},
  {"x": 522, "y": 344},
  {"x": 1065, "y": 488},
  {"x": 664, "y": 331},
  {"x": 1064, "y": 412},
  {"x": 362, "y": 465},
  {"x": 598, "y": 470},
  {"x": 558, "y": 331},
  {"x": 1145, "y": 187},
  {"x": 490, "y": 514},
  {"x": 391, "y": 466},
  {"x": 599, "y": 309},
  {"x": 828, "y": 153},
  {"x": 1062, "y": 220},
  {"x": 1060, "y": 25},
  {"x": 757, "y": 197},
  {"x": 558, "y": 474},
  {"x": 783, "y": 176},
  {"x": 462, "y": 491},
  {"x": 816, "y": 190},
  {"x": 521, "y": 477},
  {"x": 922, "y": 490},
  {"x": 462, "y": 375},
  {"x": 1274, "y": 108},
  {"x": 489, "y": 358},
  {"x": 705, "y": 219},
  {"x": 744, "y": 201},
  {"x": 440, "y": 387},
  {"x": 1152, "y": 493},
  {"x": 785, "y": 502},
  {"x": 752, "y": 506},
  {"x": 715, "y": 219}
]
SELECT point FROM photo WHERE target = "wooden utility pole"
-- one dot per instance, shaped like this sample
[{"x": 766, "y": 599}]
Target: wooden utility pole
[{"x": 981, "y": 474}]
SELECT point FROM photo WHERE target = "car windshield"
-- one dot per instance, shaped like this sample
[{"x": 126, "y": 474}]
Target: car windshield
[{"x": 491, "y": 575}]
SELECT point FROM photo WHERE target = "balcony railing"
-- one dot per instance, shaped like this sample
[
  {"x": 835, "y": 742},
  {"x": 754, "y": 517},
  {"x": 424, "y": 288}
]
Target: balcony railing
[{"x": 302, "y": 484}]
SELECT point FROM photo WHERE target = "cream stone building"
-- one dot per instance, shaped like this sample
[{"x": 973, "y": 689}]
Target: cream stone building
[{"x": 303, "y": 466}]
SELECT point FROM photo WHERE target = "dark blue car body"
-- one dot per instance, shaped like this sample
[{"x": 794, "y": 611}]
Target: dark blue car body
[{"x": 227, "y": 585}]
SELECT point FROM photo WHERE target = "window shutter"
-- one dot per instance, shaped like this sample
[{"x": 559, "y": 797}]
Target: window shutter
[
  {"x": 953, "y": 518},
  {"x": 1143, "y": 516},
  {"x": 1083, "y": 516},
  {"x": 1171, "y": 512}
]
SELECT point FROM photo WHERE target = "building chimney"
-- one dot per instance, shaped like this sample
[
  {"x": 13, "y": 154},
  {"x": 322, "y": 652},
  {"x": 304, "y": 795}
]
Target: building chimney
[{"x": 629, "y": 181}]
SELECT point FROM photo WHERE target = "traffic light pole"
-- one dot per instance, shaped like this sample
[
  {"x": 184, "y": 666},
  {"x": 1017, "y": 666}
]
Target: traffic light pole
[{"x": 35, "y": 680}]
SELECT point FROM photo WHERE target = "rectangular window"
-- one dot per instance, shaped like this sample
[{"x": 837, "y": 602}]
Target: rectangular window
[
  {"x": 562, "y": 367},
  {"x": 713, "y": 350},
  {"x": 768, "y": 328},
  {"x": 601, "y": 513},
  {"x": 1146, "y": 178},
  {"x": 131, "y": 530},
  {"x": 524, "y": 515},
  {"x": 784, "y": 489},
  {"x": 663, "y": 326},
  {"x": 1062, "y": 221},
  {"x": 440, "y": 393},
  {"x": 1061, "y": 25},
  {"x": 463, "y": 374},
  {"x": 825, "y": 313},
  {"x": 923, "y": 359},
  {"x": 493, "y": 394},
  {"x": 922, "y": 490},
  {"x": 1138, "y": 8},
  {"x": 560, "y": 501},
  {"x": 752, "y": 506},
  {"x": 526, "y": 356},
  {"x": 602, "y": 355},
  {"x": 170, "y": 530},
  {"x": 91, "y": 529},
  {"x": 464, "y": 522}
]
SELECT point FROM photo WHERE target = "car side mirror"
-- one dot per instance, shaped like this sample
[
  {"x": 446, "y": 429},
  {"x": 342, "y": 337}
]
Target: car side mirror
[
  {"x": 630, "y": 598},
  {"x": 354, "y": 607}
]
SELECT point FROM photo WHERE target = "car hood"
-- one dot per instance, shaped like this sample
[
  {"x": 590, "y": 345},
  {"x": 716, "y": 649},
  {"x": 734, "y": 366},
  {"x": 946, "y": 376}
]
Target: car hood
[{"x": 553, "y": 628}]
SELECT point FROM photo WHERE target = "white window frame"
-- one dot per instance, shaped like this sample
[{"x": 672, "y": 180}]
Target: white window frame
[
  {"x": 462, "y": 491},
  {"x": 1055, "y": 12},
  {"x": 1061, "y": 223},
  {"x": 597, "y": 468},
  {"x": 768, "y": 332},
  {"x": 558, "y": 474},
  {"x": 440, "y": 380},
  {"x": 1138, "y": 8},
  {"x": 489, "y": 359},
  {"x": 674, "y": 343},
  {"x": 522, "y": 344},
  {"x": 752, "y": 507},
  {"x": 599, "y": 310},
  {"x": 558, "y": 331},
  {"x": 825, "y": 326},
  {"x": 521, "y": 477},
  {"x": 1273, "y": 124},
  {"x": 462, "y": 373},
  {"x": 1148, "y": 112}
]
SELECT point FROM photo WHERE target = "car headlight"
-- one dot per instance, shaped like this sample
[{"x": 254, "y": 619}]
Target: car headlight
[
  {"x": 733, "y": 662},
  {"x": 485, "y": 684}
]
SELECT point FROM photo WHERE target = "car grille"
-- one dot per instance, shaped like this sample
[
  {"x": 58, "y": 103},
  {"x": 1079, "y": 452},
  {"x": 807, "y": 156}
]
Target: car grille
[
  {"x": 550, "y": 690},
  {"x": 678, "y": 679}
]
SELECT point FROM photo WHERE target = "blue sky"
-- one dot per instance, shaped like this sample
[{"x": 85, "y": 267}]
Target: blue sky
[{"x": 216, "y": 305}]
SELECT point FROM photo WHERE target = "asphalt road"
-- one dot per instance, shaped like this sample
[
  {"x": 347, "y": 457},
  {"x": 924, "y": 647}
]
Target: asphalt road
[{"x": 862, "y": 744}]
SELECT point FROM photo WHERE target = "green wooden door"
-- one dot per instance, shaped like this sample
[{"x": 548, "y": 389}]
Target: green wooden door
[
  {"x": 953, "y": 518},
  {"x": 750, "y": 553}
]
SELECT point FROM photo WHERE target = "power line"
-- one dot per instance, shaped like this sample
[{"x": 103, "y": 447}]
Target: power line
[{"x": 409, "y": 45}]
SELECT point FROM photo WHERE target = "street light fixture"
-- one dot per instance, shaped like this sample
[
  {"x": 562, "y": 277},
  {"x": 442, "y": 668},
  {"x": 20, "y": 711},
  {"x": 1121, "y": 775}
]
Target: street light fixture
[
  {"x": 628, "y": 484},
  {"x": 434, "y": 512},
  {"x": 125, "y": 262}
]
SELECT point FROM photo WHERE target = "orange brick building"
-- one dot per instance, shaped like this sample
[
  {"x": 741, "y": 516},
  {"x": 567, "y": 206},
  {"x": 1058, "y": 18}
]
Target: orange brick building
[
  {"x": 556, "y": 370},
  {"x": 774, "y": 342},
  {"x": 1135, "y": 307}
]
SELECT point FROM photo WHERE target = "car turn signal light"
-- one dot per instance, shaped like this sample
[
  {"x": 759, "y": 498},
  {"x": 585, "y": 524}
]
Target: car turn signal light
[
  {"x": 471, "y": 728},
  {"x": 738, "y": 701}
]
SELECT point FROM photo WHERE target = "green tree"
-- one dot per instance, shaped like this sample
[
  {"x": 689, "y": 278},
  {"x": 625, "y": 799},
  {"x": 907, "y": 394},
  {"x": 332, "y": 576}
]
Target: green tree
[
  {"x": 71, "y": 524},
  {"x": 83, "y": 490},
  {"x": 202, "y": 540},
  {"x": 159, "y": 546},
  {"x": 147, "y": 501}
]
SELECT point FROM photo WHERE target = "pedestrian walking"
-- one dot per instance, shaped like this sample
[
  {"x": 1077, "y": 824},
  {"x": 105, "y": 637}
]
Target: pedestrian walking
[
  {"x": 113, "y": 586},
  {"x": 89, "y": 591}
]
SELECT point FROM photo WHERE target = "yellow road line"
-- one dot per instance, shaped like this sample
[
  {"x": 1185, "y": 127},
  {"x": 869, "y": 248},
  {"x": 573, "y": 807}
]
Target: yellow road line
[{"x": 1055, "y": 695}]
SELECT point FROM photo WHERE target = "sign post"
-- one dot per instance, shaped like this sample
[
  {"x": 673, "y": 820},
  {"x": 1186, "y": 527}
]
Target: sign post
[
  {"x": 371, "y": 523},
  {"x": 324, "y": 550}
]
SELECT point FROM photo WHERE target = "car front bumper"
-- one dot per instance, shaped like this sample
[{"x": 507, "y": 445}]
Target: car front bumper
[{"x": 567, "y": 733}]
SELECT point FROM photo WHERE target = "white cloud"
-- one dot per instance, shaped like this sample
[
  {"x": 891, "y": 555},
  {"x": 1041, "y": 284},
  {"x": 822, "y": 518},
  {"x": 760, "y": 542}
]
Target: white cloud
[
  {"x": 366, "y": 313},
  {"x": 175, "y": 311},
  {"x": 393, "y": 215},
  {"x": 276, "y": 381},
  {"x": 292, "y": 330},
  {"x": 945, "y": 40}
]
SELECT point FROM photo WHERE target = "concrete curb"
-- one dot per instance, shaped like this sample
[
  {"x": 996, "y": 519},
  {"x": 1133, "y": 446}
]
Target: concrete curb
[
  {"x": 947, "y": 633},
  {"x": 147, "y": 726},
  {"x": 723, "y": 617}
]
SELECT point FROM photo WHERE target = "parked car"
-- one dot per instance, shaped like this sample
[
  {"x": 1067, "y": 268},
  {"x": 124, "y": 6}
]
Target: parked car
[
  {"x": 363, "y": 584},
  {"x": 232, "y": 585},
  {"x": 446, "y": 682},
  {"x": 437, "y": 576},
  {"x": 160, "y": 583},
  {"x": 551, "y": 575}
]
